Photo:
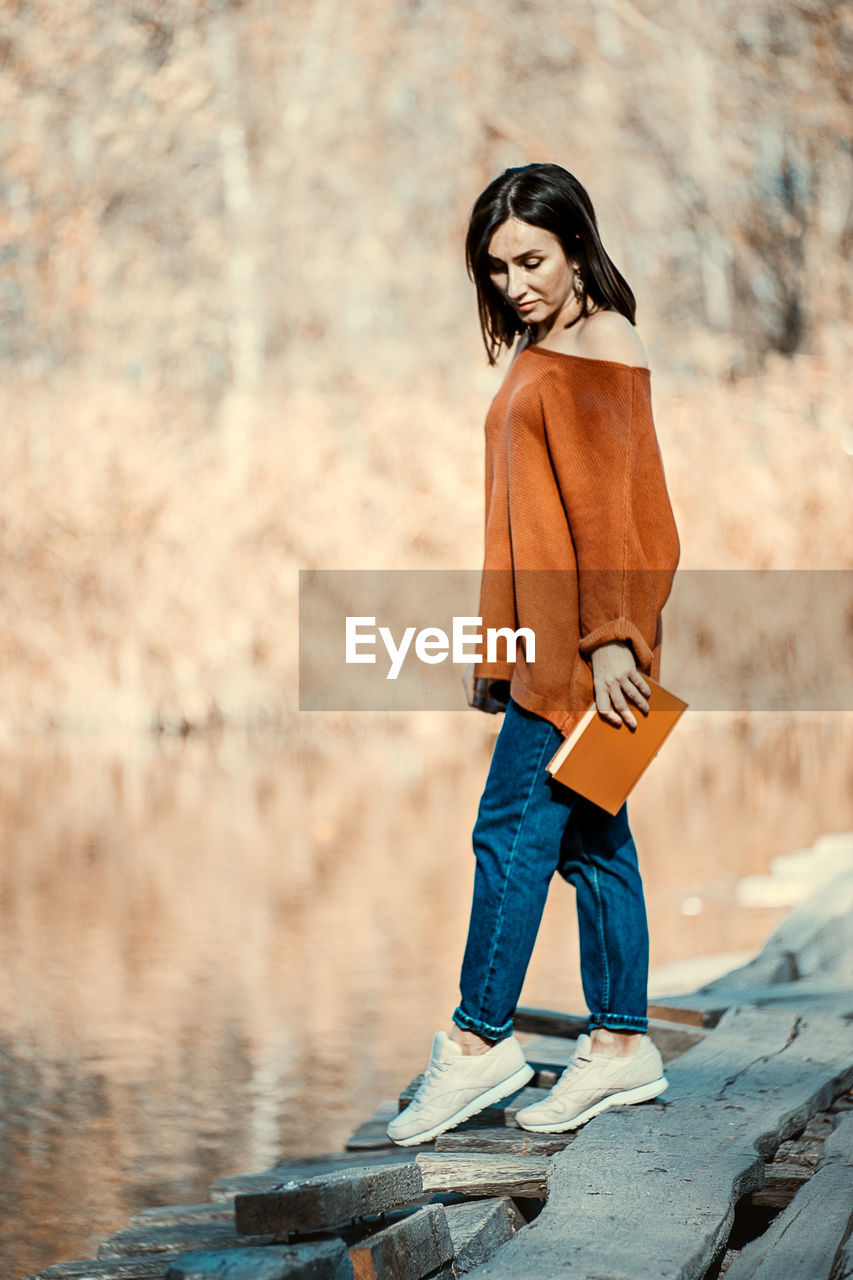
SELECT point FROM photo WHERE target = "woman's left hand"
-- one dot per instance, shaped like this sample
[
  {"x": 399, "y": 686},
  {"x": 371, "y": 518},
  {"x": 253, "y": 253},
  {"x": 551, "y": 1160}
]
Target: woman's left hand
[{"x": 617, "y": 682}]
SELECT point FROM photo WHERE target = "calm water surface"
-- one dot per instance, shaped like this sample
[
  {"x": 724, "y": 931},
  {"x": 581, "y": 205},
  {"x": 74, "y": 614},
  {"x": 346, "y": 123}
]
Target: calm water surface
[{"x": 218, "y": 952}]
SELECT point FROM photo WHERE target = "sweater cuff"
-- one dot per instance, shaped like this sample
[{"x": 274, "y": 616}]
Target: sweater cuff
[{"x": 618, "y": 629}]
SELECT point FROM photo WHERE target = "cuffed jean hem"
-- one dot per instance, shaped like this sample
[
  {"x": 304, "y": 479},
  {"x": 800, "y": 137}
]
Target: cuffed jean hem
[
  {"x": 618, "y": 1022},
  {"x": 484, "y": 1029}
]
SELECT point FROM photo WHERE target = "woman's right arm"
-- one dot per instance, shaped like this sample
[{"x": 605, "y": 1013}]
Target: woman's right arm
[{"x": 608, "y": 466}]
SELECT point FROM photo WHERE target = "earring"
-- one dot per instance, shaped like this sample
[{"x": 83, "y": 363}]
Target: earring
[{"x": 577, "y": 284}]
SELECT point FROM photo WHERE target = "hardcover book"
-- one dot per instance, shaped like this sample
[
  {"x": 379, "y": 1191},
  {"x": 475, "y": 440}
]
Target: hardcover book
[{"x": 603, "y": 762}]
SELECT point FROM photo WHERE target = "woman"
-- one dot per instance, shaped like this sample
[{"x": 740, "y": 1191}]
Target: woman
[{"x": 581, "y": 549}]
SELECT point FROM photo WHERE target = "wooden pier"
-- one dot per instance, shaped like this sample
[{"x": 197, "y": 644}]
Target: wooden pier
[{"x": 743, "y": 1168}]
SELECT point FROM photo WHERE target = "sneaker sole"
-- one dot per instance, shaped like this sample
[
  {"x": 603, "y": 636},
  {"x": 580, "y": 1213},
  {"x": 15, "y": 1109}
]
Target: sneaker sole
[
  {"x": 642, "y": 1093},
  {"x": 483, "y": 1100}
]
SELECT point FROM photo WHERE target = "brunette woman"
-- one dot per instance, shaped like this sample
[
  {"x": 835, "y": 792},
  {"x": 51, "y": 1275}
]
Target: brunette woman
[{"x": 581, "y": 549}]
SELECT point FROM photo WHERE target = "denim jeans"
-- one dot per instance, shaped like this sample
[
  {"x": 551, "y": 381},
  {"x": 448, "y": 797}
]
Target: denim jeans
[{"x": 529, "y": 826}]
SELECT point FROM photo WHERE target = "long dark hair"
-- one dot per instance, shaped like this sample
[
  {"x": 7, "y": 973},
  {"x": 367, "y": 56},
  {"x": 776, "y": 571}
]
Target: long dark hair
[{"x": 545, "y": 195}]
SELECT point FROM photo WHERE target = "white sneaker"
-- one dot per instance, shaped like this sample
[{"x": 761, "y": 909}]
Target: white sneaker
[
  {"x": 457, "y": 1085},
  {"x": 591, "y": 1083}
]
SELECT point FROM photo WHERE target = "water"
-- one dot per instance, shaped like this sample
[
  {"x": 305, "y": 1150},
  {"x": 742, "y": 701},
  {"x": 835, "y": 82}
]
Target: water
[{"x": 218, "y": 952}]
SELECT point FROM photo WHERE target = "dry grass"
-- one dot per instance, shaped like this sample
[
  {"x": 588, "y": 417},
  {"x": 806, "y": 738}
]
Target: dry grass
[{"x": 151, "y": 557}]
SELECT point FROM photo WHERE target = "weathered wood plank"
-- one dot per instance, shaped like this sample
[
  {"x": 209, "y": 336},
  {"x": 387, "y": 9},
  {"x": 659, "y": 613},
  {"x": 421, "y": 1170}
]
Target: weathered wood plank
[
  {"x": 478, "y": 1229},
  {"x": 501, "y": 1141},
  {"x": 805, "y": 1238},
  {"x": 815, "y": 943},
  {"x": 793, "y": 1164},
  {"x": 684, "y": 1162},
  {"x": 550, "y": 1022},
  {"x": 327, "y": 1199},
  {"x": 831, "y": 998},
  {"x": 183, "y": 1238},
  {"x": 683, "y": 1013},
  {"x": 143, "y": 1268},
  {"x": 407, "y": 1250},
  {"x": 304, "y": 1167},
  {"x": 321, "y": 1260},
  {"x": 844, "y": 1265},
  {"x": 485, "y": 1175},
  {"x": 672, "y": 1038},
  {"x": 782, "y": 1182},
  {"x": 175, "y": 1215}
]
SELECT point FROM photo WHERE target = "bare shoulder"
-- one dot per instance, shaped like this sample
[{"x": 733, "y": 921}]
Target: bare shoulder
[{"x": 608, "y": 335}]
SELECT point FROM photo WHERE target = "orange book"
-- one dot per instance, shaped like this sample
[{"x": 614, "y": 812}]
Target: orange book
[{"x": 603, "y": 762}]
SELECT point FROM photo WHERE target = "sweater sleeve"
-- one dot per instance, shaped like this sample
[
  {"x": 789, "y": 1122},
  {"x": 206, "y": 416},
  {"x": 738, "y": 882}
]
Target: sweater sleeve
[{"x": 609, "y": 471}]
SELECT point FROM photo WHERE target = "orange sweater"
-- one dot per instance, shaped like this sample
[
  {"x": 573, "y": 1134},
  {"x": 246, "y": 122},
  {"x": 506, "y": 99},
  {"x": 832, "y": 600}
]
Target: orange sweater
[{"x": 581, "y": 545}]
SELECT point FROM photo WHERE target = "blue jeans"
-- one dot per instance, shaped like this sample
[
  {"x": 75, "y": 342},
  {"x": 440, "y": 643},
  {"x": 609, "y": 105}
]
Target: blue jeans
[{"x": 529, "y": 826}]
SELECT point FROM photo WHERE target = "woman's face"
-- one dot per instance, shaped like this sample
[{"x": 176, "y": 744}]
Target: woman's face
[{"x": 528, "y": 267}]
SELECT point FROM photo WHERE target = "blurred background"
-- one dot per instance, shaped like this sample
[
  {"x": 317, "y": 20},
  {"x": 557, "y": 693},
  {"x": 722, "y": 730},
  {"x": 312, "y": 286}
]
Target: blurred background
[{"x": 237, "y": 340}]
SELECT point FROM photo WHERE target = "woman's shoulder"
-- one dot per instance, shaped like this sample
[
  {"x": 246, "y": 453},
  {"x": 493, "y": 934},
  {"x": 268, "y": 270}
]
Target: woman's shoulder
[{"x": 607, "y": 335}]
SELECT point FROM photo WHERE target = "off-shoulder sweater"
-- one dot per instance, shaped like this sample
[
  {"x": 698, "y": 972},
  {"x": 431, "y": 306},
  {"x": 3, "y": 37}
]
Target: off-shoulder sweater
[{"x": 581, "y": 545}]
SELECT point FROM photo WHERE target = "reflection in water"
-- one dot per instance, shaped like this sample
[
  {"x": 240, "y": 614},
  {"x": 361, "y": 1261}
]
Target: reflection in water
[{"x": 215, "y": 952}]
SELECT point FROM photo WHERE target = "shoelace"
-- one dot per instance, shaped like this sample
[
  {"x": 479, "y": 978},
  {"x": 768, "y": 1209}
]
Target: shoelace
[
  {"x": 431, "y": 1076},
  {"x": 575, "y": 1067}
]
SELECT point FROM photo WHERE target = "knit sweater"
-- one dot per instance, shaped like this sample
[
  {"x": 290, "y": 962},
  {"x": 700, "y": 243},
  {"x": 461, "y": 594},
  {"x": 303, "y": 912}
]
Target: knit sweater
[{"x": 580, "y": 540}]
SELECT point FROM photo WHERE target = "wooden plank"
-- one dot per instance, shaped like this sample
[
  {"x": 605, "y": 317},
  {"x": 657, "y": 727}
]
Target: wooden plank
[
  {"x": 502, "y": 1141},
  {"x": 793, "y": 1164},
  {"x": 485, "y": 1175},
  {"x": 320, "y": 1260},
  {"x": 832, "y": 998},
  {"x": 478, "y": 1229},
  {"x": 183, "y": 1238},
  {"x": 683, "y": 1014},
  {"x": 814, "y": 942},
  {"x": 175, "y": 1215},
  {"x": 844, "y": 1265},
  {"x": 142, "y": 1268},
  {"x": 672, "y": 1038},
  {"x": 327, "y": 1199},
  {"x": 782, "y": 1182},
  {"x": 685, "y": 1161},
  {"x": 549, "y": 1022},
  {"x": 304, "y": 1167},
  {"x": 805, "y": 1238},
  {"x": 407, "y": 1250}
]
